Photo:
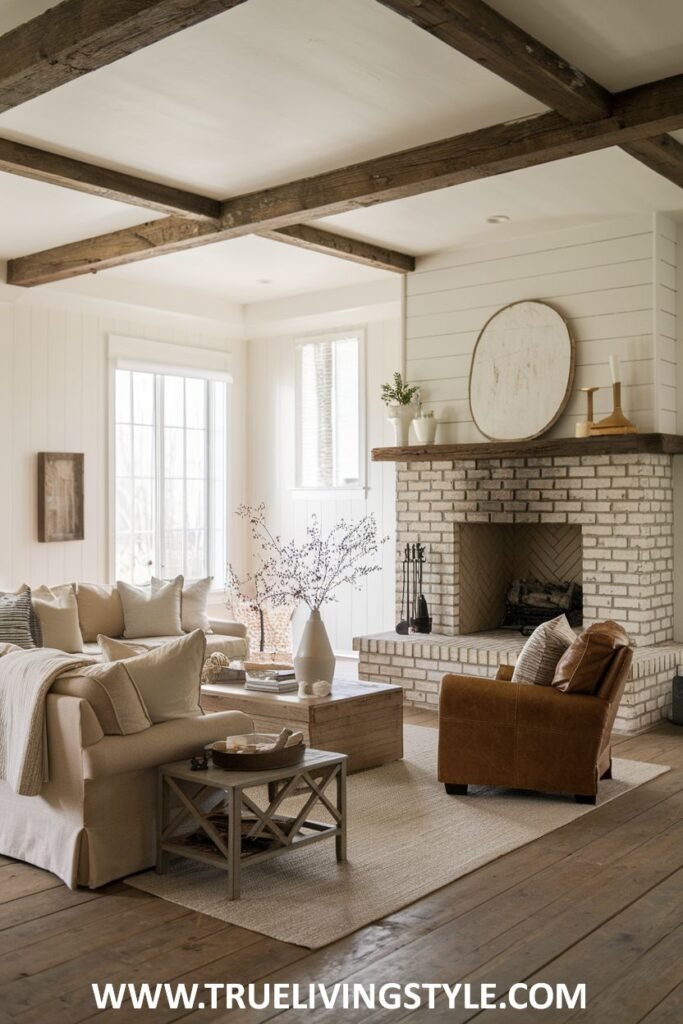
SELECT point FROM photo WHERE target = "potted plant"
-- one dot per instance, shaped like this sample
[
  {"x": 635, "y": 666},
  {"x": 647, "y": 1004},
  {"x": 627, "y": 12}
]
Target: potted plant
[
  {"x": 400, "y": 398},
  {"x": 312, "y": 571},
  {"x": 425, "y": 424}
]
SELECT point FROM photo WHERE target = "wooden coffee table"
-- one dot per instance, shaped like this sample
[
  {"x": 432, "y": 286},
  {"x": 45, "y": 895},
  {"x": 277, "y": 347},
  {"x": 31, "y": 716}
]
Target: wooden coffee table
[{"x": 362, "y": 720}]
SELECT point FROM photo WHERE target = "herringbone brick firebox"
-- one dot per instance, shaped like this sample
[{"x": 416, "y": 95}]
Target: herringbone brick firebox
[{"x": 604, "y": 520}]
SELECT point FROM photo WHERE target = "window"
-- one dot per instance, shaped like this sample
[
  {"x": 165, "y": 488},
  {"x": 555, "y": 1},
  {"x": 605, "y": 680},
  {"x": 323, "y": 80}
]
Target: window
[
  {"x": 329, "y": 427},
  {"x": 170, "y": 475}
]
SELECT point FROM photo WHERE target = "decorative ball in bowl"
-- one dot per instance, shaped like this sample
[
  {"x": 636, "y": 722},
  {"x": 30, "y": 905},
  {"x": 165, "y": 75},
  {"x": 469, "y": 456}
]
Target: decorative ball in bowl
[{"x": 254, "y": 752}]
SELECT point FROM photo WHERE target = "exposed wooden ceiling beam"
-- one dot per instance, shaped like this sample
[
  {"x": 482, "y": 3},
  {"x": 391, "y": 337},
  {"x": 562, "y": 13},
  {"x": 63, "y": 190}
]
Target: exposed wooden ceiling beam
[
  {"x": 306, "y": 236},
  {"x": 481, "y": 33},
  {"x": 41, "y": 165},
  {"x": 478, "y": 31},
  {"x": 641, "y": 112},
  {"x": 662, "y": 154},
  {"x": 78, "y": 36}
]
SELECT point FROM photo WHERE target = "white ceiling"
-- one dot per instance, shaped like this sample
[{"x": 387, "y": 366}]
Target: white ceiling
[{"x": 273, "y": 91}]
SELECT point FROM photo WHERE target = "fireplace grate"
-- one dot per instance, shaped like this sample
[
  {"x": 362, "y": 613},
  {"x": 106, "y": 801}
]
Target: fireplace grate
[{"x": 529, "y": 603}]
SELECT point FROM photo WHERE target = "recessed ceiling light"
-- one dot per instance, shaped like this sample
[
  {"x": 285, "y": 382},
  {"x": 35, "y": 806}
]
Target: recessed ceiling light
[
  {"x": 263, "y": 280},
  {"x": 498, "y": 218}
]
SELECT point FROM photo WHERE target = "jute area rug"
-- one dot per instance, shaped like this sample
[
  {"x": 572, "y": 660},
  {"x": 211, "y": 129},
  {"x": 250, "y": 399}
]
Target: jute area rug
[{"x": 406, "y": 838}]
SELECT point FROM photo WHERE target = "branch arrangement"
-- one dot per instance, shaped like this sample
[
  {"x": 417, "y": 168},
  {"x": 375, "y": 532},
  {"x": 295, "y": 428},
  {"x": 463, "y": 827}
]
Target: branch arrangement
[{"x": 312, "y": 570}]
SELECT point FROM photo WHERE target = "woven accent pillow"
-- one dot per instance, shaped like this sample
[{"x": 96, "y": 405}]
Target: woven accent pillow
[
  {"x": 193, "y": 603},
  {"x": 18, "y": 621},
  {"x": 542, "y": 651},
  {"x": 148, "y": 612}
]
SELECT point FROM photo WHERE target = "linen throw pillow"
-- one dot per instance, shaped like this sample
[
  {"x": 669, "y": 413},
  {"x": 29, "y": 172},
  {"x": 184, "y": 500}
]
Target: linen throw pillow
[
  {"x": 19, "y": 623},
  {"x": 148, "y": 612},
  {"x": 193, "y": 603},
  {"x": 57, "y": 613},
  {"x": 583, "y": 665},
  {"x": 113, "y": 696},
  {"x": 118, "y": 650},
  {"x": 542, "y": 651},
  {"x": 169, "y": 677},
  {"x": 99, "y": 611}
]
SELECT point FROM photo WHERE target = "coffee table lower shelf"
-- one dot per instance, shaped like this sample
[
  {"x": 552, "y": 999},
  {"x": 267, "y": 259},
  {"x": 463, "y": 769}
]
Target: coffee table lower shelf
[{"x": 263, "y": 833}]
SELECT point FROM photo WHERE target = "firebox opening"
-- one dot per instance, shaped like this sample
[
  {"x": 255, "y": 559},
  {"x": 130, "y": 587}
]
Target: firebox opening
[{"x": 542, "y": 560}]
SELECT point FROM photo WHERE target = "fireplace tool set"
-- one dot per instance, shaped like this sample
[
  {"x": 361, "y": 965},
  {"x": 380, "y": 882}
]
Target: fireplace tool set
[{"x": 415, "y": 615}]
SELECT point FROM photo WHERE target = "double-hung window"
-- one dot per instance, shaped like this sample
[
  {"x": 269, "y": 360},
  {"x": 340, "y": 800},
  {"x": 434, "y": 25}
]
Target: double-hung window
[
  {"x": 330, "y": 412},
  {"x": 170, "y": 474}
]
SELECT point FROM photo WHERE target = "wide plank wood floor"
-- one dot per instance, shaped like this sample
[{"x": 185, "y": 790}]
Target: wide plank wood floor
[{"x": 599, "y": 901}]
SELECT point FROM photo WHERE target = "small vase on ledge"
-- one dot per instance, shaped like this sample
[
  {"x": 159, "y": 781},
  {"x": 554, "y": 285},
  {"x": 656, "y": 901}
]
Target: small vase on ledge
[
  {"x": 314, "y": 658},
  {"x": 402, "y": 416}
]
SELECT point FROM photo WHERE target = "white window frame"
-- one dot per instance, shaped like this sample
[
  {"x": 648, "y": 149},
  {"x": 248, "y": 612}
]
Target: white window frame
[
  {"x": 145, "y": 356},
  {"x": 355, "y": 490}
]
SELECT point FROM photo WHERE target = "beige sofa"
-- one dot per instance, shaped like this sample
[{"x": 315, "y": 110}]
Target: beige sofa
[{"x": 95, "y": 820}]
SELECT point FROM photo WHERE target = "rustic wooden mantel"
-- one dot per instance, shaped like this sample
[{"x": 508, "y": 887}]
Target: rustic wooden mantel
[{"x": 652, "y": 444}]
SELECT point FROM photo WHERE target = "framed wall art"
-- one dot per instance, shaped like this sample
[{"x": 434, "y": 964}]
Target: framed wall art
[{"x": 60, "y": 496}]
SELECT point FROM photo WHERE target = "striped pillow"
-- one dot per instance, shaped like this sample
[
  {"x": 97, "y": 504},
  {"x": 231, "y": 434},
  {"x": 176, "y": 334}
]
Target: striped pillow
[
  {"x": 542, "y": 651},
  {"x": 18, "y": 621}
]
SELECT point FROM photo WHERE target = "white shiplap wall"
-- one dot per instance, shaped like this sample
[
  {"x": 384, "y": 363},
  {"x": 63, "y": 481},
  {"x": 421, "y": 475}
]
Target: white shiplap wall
[
  {"x": 53, "y": 397},
  {"x": 665, "y": 321},
  {"x": 611, "y": 280},
  {"x": 272, "y": 456}
]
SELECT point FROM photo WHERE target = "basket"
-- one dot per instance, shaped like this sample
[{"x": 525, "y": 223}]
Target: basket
[{"x": 234, "y": 761}]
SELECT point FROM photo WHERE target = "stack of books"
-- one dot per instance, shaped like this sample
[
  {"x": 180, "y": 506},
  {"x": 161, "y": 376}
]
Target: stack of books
[{"x": 279, "y": 680}]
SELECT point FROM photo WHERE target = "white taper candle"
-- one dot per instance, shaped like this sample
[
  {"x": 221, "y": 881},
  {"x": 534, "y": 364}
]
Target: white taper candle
[{"x": 615, "y": 369}]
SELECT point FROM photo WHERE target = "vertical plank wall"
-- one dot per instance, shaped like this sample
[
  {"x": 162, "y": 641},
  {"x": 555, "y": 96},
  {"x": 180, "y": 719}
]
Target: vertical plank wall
[
  {"x": 664, "y": 304},
  {"x": 612, "y": 280},
  {"x": 53, "y": 397},
  {"x": 272, "y": 466}
]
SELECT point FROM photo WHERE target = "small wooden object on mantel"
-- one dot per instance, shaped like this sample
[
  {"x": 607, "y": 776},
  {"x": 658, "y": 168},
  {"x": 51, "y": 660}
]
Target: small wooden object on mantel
[{"x": 616, "y": 422}]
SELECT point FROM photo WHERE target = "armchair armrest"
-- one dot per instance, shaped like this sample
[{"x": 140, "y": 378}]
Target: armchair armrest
[
  {"x": 224, "y": 627},
  {"x": 505, "y": 672}
]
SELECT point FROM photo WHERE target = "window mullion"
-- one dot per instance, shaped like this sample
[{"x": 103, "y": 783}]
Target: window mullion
[
  {"x": 209, "y": 490},
  {"x": 160, "y": 518}
]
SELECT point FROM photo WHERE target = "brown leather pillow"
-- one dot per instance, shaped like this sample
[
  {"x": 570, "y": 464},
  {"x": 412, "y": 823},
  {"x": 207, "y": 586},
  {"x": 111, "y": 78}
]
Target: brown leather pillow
[{"x": 583, "y": 665}]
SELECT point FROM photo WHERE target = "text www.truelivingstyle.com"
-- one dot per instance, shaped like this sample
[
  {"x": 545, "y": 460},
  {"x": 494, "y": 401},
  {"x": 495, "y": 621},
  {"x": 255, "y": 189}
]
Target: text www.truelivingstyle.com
[{"x": 341, "y": 996}]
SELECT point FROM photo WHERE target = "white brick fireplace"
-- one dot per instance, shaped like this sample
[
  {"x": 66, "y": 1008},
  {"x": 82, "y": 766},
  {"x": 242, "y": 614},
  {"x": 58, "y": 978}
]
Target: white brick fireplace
[{"x": 606, "y": 521}]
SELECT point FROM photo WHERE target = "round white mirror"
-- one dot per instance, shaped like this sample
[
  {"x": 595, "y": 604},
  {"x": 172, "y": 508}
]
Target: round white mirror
[{"x": 522, "y": 372}]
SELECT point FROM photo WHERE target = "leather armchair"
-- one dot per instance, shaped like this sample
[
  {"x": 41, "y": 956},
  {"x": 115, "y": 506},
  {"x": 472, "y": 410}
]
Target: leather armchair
[{"x": 493, "y": 732}]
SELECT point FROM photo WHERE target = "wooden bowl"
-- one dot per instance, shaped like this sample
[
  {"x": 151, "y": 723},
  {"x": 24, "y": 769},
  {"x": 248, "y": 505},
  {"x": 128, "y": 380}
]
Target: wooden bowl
[{"x": 235, "y": 761}]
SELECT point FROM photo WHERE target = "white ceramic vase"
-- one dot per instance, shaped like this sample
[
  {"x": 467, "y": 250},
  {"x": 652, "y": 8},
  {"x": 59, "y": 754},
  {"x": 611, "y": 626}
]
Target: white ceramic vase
[
  {"x": 402, "y": 416},
  {"x": 314, "y": 658},
  {"x": 425, "y": 429}
]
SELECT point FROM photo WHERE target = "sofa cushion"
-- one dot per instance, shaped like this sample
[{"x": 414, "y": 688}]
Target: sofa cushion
[
  {"x": 233, "y": 647},
  {"x": 119, "y": 650},
  {"x": 583, "y": 665},
  {"x": 99, "y": 611},
  {"x": 163, "y": 743},
  {"x": 169, "y": 677},
  {"x": 150, "y": 612},
  {"x": 193, "y": 603},
  {"x": 542, "y": 651},
  {"x": 112, "y": 694},
  {"x": 19, "y": 623},
  {"x": 57, "y": 613}
]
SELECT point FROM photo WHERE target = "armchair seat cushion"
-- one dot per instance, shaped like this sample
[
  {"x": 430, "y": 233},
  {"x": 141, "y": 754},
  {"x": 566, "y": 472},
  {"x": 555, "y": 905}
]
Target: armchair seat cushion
[{"x": 162, "y": 743}]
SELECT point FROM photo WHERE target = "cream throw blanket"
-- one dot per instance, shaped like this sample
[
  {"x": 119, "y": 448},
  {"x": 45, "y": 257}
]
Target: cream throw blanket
[{"x": 25, "y": 679}]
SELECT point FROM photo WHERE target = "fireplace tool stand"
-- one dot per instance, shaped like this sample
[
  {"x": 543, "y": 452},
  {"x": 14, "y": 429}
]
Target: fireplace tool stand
[{"x": 415, "y": 615}]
